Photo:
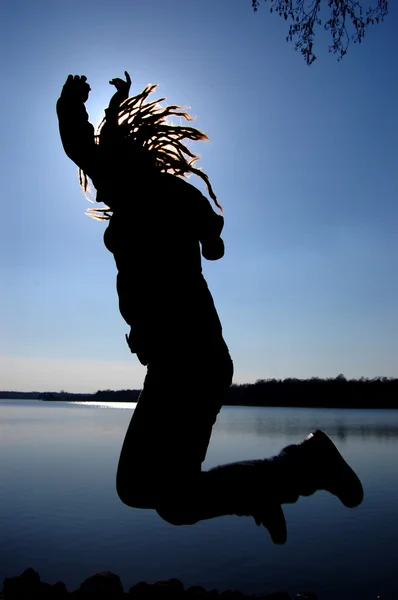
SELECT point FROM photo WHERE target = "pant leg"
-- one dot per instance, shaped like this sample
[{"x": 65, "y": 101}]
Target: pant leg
[
  {"x": 168, "y": 436},
  {"x": 259, "y": 487},
  {"x": 167, "y": 441}
]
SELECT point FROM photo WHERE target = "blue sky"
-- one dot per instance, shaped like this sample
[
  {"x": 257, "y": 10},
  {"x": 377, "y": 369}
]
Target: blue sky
[{"x": 303, "y": 159}]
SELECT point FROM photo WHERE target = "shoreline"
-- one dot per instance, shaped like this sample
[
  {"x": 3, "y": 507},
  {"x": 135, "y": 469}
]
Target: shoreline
[
  {"x": 92, "y": 399},
  {"x": 377, "y": 393},
  {"x": 107, "y": 586}
]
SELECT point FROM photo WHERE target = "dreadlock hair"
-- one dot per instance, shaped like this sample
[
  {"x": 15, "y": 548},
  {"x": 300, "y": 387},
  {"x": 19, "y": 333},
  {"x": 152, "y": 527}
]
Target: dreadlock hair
[{"x": 143, "y": 126}]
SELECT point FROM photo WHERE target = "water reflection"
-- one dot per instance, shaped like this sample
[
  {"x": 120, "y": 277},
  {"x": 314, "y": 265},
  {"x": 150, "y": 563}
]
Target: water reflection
[
  {"x": 60, "y": 513},
  {"x": 120, "y": 405},
  {"x": 294, "y": 423}
]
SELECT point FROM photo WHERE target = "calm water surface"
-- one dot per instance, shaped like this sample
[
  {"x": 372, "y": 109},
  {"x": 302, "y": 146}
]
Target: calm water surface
[{"x": 60, "y": 514}]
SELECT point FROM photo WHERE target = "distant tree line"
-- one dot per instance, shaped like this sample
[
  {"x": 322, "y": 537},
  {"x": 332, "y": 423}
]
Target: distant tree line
[
  {"x": 100, "y": 396},
  {"x": 338, "y": 392}
]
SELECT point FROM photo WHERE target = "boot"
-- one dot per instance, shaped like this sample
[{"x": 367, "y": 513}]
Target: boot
[{"x": 316, "y": 464}]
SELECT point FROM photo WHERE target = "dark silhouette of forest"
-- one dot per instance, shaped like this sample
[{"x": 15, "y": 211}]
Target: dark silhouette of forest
[{"x": 338, "y": 392}]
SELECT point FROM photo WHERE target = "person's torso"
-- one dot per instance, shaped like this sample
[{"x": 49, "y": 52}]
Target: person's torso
[{"x": 155, "y": 242}]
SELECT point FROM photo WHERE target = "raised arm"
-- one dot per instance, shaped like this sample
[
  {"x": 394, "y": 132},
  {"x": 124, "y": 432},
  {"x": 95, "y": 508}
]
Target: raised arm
[
  {"x": 112, "y": 112},
  {"x": 77, "y": 133}
]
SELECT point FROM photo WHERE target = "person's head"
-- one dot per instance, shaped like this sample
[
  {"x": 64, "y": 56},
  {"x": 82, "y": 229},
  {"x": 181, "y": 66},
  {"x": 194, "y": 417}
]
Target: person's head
[{"x": 146, "y": 139}]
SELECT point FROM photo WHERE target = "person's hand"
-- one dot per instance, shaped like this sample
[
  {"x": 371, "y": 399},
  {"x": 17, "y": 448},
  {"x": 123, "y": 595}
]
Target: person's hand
[
  {"x": 76, "y": 86},
  {"x": 122, "y": 87}
]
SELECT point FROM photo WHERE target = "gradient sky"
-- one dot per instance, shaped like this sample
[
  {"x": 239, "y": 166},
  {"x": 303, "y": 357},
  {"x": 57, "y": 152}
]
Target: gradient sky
[{"x": 303, "y": 159}]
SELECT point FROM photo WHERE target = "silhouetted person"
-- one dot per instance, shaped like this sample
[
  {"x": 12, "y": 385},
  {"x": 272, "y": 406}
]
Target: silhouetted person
[{"x": 158, "y": 224}]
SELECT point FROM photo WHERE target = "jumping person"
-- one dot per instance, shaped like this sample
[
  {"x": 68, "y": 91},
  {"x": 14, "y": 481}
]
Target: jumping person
[{"x": 159, "y": 225}]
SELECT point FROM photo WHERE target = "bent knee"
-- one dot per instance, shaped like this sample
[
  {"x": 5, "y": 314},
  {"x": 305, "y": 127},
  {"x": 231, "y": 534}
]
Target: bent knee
[
  {"x": 135, "y": 494},
  {"x": 176, "y": 516}
]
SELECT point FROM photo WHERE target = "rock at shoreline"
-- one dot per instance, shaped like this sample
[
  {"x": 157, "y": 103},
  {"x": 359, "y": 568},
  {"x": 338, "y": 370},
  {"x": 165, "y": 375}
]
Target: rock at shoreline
[
  {"x": 28, "y": 586},
  {"x": 104, "y": 586}
]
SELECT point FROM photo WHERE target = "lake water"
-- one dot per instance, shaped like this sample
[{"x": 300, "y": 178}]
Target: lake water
[{"x": 60, "y": 514}]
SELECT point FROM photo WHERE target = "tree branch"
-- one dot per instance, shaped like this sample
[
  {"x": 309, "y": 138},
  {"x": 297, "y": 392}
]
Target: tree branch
[{"x": 344, "y": 15}]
